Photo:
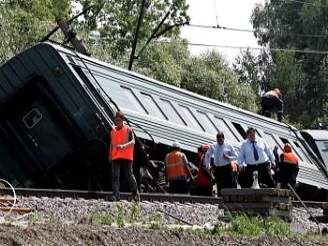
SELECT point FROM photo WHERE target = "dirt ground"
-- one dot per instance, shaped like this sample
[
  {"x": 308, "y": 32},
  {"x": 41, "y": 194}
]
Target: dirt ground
[{"x": 54, "y": 234}]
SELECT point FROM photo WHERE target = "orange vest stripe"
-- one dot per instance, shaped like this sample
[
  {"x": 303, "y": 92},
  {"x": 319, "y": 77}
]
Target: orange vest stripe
[
  {"x": 121, "y": 136},
  {"x": 175, "y": 168},
  {"x": 290, "y": 158}
]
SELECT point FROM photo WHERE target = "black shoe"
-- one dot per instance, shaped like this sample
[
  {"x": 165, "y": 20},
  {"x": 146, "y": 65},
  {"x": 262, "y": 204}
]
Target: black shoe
[
  {"x": 136, "y": 198},
  {"x": 115, "y": 198}
]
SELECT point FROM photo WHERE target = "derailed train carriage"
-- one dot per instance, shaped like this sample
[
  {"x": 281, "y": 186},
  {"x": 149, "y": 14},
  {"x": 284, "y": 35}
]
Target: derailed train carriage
[{"x": 57, "y": 108}]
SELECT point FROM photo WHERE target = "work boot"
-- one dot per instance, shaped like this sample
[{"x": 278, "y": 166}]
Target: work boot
[
  {"x": 136, "y": 197},
  {"x": 115, "y": 198}
]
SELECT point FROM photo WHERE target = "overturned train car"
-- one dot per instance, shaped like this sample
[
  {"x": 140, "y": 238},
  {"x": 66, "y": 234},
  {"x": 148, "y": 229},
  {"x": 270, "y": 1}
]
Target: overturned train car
[{"x": 57, "y": 108}]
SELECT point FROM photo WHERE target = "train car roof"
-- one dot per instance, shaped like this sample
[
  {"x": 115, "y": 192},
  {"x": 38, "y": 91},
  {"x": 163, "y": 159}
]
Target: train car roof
[{"x": 318, "y": 135}]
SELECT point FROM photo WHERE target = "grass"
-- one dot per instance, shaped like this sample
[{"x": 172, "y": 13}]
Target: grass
[
  {"x": 156, "y": 221},
  {"x": 119, "y": 218},
  {"x": 102, "y": 218},
  {"x": 243, "y": 225},
  {"x": 134, "y": 213}
]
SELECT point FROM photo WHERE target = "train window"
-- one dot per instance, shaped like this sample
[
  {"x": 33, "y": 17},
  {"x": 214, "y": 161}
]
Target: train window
[
  {"x": 222, "y": 126},
  {"x": 208, "y": 125},
  {"x": 152, "y": 106},
  {"x": 268, "y": 137},
  {"x": 171, "y": 112},
  {"x": 296, "y": 147},
  {"x": 284, "y": 140},
  {"x": 190, "y": 118},
  {"x": 240, "y": 129},
  {"x": 32, "y": 118},
  {"x": 133, "y": 100}
]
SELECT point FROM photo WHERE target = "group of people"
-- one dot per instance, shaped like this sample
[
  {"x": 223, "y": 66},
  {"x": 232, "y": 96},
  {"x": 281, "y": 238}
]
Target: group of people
[
  {"x": 217, "y": 162},
  {"x": 221, "y": 159}
]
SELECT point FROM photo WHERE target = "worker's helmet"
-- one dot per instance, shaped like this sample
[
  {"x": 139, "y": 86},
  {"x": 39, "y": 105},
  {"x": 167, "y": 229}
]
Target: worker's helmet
[
  {"x": 287, "y": 147},
  {"x": 204, "y": 147}
]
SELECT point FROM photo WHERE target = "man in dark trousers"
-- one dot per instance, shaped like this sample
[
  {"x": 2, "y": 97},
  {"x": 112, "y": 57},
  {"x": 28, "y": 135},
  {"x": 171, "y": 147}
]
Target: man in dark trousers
[
  {"x": 121, "y": 156},
  {"x": 255, "y": 155},
  {"x": 223, "y": 153},
  {"x": 271, "y": 101},
  {"x": 288, "y": 167}
]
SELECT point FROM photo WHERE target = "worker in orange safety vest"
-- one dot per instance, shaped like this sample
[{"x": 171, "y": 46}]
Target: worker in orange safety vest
[
  {"x": 204, "y": 179},
  {"x": 121, "y": 156},
  {"x": 288, "y": 167},
  {"x": 177, "y": 172}
]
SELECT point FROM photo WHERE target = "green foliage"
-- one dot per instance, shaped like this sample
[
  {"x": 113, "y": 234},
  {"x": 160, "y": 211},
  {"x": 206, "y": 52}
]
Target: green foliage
[
  {"x": 119, "y": 219},
  {"x": 25, "y": 22},
  {"x": 134, "y": 214},
  {"x": 209, "y": 75},
  {"x": 119, "y": 19},
  {"x": 102, "y": 218},
  {"x": 242, "y": 225},
  {"x": 302, "y": 76},
  {"x": 156, "y": 221},
  {"x": 34, "y": 218}
]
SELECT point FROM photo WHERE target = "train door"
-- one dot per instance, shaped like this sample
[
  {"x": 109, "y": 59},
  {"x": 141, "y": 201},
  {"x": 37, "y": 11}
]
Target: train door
[{"x": 37, "y": 128}]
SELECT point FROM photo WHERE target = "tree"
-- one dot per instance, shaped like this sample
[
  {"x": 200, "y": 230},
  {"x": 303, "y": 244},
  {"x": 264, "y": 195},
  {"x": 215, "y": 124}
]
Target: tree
[
  {"x": 116, "y": 20},
  {"x": 296, "y": 25},
  {"x": 24, "y": 22},
  {"x": 209, "y": 75},
  {"x": 254, "y": 70}
]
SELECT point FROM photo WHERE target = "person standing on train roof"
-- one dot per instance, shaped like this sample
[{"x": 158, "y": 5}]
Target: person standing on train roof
[
  {"x": 223, "y": 154},
  {"x": 255, "y": 155},
  {"x": 271, "y": 101},
  {"x": 288, "y": 167},
  {"x": 176, "y": 170},
  {"x": 121, "y": 152}
]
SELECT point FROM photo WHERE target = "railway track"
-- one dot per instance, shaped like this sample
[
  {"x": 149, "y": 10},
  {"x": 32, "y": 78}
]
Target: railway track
[{"x": 105, "y": 195}]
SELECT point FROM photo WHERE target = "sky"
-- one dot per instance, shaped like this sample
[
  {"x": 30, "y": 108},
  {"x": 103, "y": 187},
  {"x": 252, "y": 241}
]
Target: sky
[{"x": 228, "y": 13}]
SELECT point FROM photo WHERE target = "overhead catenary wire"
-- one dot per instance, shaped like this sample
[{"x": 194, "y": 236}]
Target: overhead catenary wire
[
  {"x": 252, "y": 31},
  {"x": 244, "y": 47}
]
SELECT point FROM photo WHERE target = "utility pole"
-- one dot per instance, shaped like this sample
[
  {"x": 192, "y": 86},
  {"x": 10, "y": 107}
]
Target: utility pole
[
  {"x": 135, "y": 40},
  {"x": 71, "y": 36}
]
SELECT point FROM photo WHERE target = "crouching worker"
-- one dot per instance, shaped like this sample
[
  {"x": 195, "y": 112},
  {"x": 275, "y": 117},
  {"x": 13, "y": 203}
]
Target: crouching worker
[
  {"x": 121, "y": 156},
  {"x": 204, "y": 179},
  {"x": 288, "y": 167},
  {"x": 223, "y": 154},
  {"x": 271, "y": 101},
  {"x": 177, "y": 172}
]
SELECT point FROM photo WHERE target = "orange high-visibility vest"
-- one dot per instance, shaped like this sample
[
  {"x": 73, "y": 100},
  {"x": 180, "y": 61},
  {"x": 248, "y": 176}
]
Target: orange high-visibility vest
[
  {"x": 121, "y": 136},
  {"x": 175, "y": 167},
  {"x": 202, "y": 178},
  {"x": 290, "y": 158}
]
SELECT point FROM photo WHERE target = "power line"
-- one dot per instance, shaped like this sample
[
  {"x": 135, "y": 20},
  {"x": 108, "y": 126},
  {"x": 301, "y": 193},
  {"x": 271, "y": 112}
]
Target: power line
[
  {"x": 245, "y": 47},
  {"x": 252, "y": 31}
]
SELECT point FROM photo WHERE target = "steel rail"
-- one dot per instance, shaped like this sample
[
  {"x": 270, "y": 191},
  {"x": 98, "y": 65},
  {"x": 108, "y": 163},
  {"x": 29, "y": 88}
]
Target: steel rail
[{"x": 107, "y": 196}]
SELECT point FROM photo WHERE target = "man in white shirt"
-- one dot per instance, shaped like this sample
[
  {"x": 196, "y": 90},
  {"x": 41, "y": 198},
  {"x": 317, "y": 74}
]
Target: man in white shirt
[
  {"x": 255, "y": 155},
  {"x": 223, "y": 154}
]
